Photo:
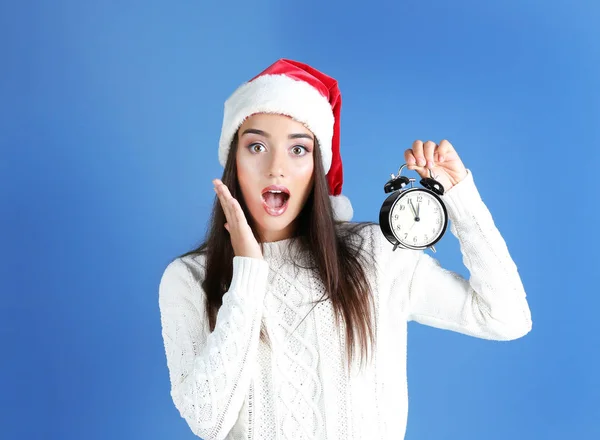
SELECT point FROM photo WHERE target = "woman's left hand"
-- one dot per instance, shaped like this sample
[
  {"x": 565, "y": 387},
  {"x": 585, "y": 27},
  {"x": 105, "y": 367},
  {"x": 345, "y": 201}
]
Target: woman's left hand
[{"x": 442, "y": 160}]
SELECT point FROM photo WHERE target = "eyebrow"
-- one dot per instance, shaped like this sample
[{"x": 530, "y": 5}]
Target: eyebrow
[{"x": 265, "y": 134}]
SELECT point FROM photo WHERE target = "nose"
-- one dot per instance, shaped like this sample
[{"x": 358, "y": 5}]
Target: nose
[{"x": 277, "y": 165}]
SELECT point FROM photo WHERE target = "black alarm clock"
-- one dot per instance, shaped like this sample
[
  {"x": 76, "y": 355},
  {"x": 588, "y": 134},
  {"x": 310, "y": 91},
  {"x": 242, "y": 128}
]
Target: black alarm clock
[{"x": 412, "y": 217}]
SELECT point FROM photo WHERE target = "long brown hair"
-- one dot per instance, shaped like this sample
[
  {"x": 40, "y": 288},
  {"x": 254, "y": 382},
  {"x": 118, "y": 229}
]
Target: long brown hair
[{"x": 336, "y": 251}]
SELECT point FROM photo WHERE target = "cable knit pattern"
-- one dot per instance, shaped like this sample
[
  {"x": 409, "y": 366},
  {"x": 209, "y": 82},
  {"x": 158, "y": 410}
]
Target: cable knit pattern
[
  {"x": 229, "y": 384},
  {"x": 297, "y": 391}
]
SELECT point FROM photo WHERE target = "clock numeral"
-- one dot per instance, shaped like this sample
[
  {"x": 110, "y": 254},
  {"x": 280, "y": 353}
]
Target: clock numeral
[
  {"x": 433, "y": 231},
  {"x": 437, "y": 221},
  {"x": 419, "y": 198},
  {"x": 415, "y": 239},
  {"x": 396, "y": 216},
  {"x": 405, "y": 235},
  {"x": 398, "y": 227},
  {"x": 402, "y": 207},
  {"x": 426, "y": 237}
]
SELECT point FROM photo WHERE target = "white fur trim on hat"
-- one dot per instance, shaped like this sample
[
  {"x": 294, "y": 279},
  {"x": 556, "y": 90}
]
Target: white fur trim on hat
[
  {"x": 282, "y": 95},
  {"x": 342, "y": 208}
]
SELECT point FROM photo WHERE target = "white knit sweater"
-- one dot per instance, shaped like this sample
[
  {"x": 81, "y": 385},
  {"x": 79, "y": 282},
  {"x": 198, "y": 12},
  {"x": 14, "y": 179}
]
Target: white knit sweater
[{"x": 228, "y": 384}]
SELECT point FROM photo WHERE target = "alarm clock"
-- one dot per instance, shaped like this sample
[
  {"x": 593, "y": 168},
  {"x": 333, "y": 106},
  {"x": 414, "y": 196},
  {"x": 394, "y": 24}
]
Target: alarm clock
[{"x": 412, "y": 217}]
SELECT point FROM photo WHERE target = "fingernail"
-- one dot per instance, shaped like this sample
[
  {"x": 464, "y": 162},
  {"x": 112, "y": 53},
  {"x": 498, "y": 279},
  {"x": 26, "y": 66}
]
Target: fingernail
[{"x": 421, "y": 162}]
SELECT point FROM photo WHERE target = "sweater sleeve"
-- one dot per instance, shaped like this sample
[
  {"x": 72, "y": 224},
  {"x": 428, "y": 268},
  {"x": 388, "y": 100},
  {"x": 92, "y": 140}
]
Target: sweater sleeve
[
  {"x": 492, "y": 303},
  {"x": 210, "y": 372}
]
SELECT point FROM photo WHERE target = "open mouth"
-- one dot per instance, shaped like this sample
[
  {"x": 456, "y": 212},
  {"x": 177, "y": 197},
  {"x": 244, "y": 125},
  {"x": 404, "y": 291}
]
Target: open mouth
[{"x": 275, "y": 199}]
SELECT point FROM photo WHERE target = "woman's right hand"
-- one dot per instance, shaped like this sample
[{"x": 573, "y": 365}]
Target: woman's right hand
[{"x": 242, "y": 239}]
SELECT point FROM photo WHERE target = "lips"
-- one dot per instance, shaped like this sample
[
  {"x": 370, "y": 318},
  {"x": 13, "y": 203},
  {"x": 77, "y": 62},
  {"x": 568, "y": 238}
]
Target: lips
[{"x": 275, "y": 199}]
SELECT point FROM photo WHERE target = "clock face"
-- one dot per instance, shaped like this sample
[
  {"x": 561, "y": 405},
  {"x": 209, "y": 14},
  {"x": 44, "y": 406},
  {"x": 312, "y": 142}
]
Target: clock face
[{"x": 417, "y": 218}]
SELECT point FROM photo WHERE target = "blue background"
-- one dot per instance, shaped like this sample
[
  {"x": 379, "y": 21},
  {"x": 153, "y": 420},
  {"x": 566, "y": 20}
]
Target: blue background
[{"x": 110, "y": 115}]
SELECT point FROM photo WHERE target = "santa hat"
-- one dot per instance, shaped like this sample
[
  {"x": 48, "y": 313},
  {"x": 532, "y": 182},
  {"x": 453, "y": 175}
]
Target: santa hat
[{"x": 300, "y": 91}]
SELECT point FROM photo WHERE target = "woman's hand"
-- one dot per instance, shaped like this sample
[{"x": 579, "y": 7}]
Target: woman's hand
[
  {"x": 442, "y": 160},
  {"x": 242, "y": 239}
]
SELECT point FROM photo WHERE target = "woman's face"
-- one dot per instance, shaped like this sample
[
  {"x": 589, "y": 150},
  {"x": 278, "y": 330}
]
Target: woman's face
[{"x": 275, "y": 171}]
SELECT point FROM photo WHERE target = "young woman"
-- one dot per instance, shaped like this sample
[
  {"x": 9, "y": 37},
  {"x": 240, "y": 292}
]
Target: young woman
[{"x": 290, "y": 321}]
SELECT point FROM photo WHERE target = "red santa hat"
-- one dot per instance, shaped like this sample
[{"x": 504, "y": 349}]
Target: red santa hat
[{"x": 300, "y": 91}]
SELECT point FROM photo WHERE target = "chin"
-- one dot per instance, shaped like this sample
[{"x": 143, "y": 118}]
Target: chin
[{"x": 270, "y": 225}]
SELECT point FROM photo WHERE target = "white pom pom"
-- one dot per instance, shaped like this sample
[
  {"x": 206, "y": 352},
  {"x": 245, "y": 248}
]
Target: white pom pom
[{"x": 342, "y": 208}]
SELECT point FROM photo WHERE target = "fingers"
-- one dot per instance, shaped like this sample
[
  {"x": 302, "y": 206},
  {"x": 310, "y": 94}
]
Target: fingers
[
  {"x": 225, "y": 199},
  {"x": 231, "y": 207},
  {"x": 424, "y": 153},
  {"x": 429, "y": 148},
  {"x": 421, "y": 154},
  {"x": 417, "y": 148},
  {"x": 409, "y": 157},
  {"x": 444, "y": 150},
  {"x": 427, "y": 154},
  {"x": 237, "y": 213},
  {"x": 242, "y": 238}
]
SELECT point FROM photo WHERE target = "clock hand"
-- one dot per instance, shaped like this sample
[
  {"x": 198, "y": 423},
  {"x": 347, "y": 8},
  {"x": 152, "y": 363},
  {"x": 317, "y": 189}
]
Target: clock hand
[
  {"x": 418, "y": 208},
  {"x": 413, "y": 208},
  {"x": 414, "y": 223}
]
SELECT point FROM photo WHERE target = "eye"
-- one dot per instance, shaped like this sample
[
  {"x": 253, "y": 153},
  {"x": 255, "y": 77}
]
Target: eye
[
  {"x": 256, "y": 147},
  {"x": 299, "y": 150}
]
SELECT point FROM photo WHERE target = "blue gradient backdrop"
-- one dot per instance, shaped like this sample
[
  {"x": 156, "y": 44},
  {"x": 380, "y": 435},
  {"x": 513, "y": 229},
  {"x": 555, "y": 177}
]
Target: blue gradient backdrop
[{"x": 110, "y": 115}]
